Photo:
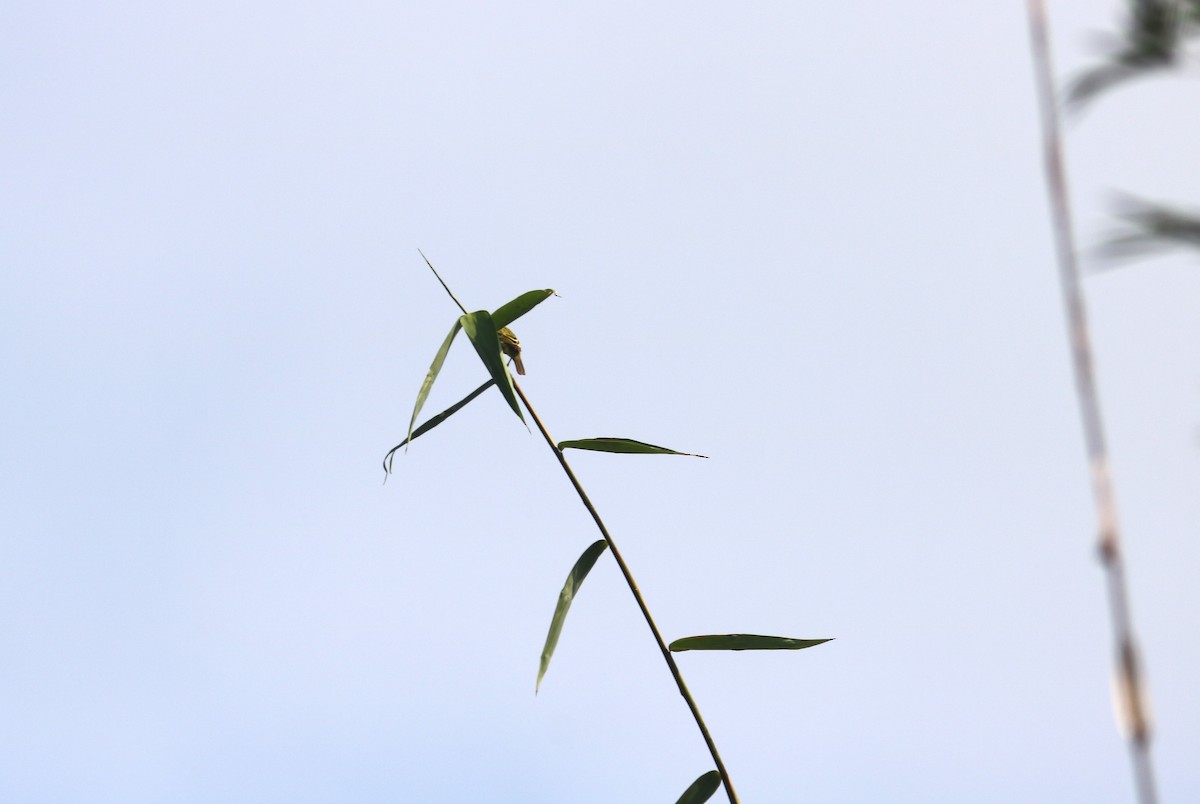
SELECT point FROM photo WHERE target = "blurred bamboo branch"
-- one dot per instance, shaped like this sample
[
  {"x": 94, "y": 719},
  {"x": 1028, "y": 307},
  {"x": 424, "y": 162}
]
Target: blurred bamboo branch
[{"x": 1128, "y": 666}]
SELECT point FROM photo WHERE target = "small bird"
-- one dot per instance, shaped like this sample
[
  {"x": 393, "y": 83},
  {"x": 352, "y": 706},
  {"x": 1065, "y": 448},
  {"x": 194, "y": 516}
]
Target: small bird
[{"x": 511, "y": 347}]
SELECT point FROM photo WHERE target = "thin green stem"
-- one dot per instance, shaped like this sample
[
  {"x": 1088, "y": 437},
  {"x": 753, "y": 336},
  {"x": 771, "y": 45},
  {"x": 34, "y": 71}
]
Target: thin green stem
[
  {"x": 637, "y": 595},
  {"x": 1128, "y": 665}
]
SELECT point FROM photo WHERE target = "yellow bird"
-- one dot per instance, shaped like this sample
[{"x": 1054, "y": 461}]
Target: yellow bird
[{"x": 511, "y": 347}]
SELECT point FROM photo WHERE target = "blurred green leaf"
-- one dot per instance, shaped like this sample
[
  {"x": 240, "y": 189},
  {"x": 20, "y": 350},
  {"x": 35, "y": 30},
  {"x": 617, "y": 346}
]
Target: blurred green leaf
[
  {"x": 622, "y": 445},
  {"x": 1151, "y": 39},
  {"x": 482, "y": 331},
  {"x": 702, "y": 789},
  {"x": 578, "y": 572},
  {"x": 508, "y": 313},
  {"x": 434, "y": 369},
  {"x": 1151, "y": 227},
  {"x": 742, "y": 642},
  {"x": 433, "y": 422}
]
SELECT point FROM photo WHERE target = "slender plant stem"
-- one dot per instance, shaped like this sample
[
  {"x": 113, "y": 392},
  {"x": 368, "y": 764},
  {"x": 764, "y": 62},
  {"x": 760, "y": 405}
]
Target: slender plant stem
[
  {"x": 637, "y": 595},
  {"x": 1129, "y": 673}
]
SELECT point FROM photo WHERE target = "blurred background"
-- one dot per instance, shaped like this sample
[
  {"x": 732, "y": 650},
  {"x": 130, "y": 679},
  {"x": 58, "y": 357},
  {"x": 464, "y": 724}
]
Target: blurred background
[{"x": 810, "y": 241}]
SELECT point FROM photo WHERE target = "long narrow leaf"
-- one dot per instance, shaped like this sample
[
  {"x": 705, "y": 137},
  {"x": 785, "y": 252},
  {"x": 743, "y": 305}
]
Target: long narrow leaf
[
  {"x": 702, "y": 789},
  {"x": 505, "y": 314},
  {"x": 433, "y": 422},
  {"x": 622, "y": 445},
  {"x": 742, "y": 642},
  {"x": 482, "y": 332},
  {"x": 434, "y": 369},
  {"x": 578, "y": 572},
  {"x": 443, "y": 281}
]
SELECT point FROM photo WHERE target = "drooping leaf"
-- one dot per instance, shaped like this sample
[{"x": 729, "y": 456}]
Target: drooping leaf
[
  {"x": 702, "y": 789},
  {"x": 578, "y": 572},
  {"x": 622, "y": 445},
  {"x": 505, "y": 314},
  {"x": 433, "y": 422},
  {"x": 482, "y": 332},
  {"x": 434, "y": 369},
  {"x": 742, "y": 642}
]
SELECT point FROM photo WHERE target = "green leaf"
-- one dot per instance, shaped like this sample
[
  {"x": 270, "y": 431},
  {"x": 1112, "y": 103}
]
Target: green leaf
[
  {"x": 434, "y": 369},
  {"x": 702, "y": 789},
  {"x": 578, "y": 572},
  {"x": 443, "y": 281},
  {"x": 1152, "y": 226},
  {"x": 742, "y": 642},
  {"x": 623, "y": 445},
  {"x": 433, "y": 422},
  {"x": 482, "y": 331},
  {"x": 505, "y": 314}
]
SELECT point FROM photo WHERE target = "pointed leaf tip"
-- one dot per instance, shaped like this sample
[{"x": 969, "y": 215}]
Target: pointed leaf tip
[
  {"x": 449, "y": 292},
  {"x": 505, "y": 314}
]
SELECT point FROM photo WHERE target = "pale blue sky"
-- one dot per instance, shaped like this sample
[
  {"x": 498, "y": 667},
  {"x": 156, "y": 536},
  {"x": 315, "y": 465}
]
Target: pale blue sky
[{"x": 807, "y": 240}]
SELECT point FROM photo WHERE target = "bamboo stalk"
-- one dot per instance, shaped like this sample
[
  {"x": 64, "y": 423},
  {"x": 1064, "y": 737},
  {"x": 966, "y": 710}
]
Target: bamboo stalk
[
  {"x": 1108, "y": 531},
  {"x": 637, "y": 595}
]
